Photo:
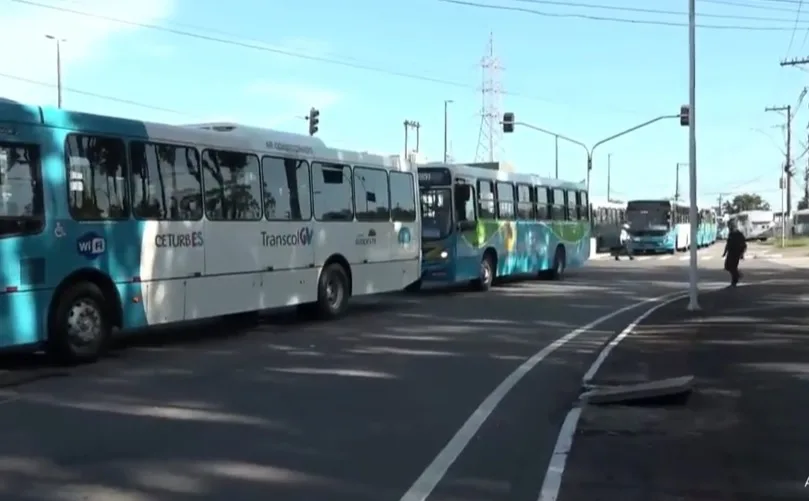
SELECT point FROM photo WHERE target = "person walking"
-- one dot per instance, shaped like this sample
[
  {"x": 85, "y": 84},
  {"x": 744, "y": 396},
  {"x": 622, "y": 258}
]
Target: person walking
[
  {"x": 626, "y": 244},
  {"x": 735, "y": 247}
]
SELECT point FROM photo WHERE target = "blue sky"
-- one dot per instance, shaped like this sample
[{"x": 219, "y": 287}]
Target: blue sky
[{"x": 583, "y": 78}]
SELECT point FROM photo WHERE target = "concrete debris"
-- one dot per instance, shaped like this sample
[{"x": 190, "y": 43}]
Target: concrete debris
[{"x": 660, "y": 392}]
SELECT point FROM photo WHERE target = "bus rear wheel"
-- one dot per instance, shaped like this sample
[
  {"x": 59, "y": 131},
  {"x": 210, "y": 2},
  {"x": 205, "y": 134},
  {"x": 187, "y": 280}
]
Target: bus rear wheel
[
  {"x": 332, "y": 292},
  {"x": 80, "y": 327}
]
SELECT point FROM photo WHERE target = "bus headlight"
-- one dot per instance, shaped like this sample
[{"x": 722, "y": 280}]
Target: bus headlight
[{"x": 444, "y": 254}]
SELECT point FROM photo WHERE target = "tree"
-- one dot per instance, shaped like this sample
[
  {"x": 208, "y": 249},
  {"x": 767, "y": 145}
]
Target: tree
[
  {"x": 745, "y": 201},
  {"x": 804, "y": 202}
]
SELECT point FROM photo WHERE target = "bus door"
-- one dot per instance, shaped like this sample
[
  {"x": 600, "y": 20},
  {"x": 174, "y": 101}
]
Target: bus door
[{"x": 467, "y": 252}]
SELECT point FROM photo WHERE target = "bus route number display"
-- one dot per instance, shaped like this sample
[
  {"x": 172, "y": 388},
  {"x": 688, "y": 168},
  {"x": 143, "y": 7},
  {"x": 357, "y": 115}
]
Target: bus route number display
[{"x": 434, "y": 177}]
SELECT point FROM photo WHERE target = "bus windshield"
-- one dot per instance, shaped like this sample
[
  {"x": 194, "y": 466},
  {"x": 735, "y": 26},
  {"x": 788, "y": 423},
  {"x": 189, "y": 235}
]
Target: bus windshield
[
  {"x": 436, "y": 213},
  {"x": 648, "y": 215}
]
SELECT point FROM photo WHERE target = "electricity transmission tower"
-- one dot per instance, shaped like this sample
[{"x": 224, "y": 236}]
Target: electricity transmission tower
[{"x": 490, "y": 135}]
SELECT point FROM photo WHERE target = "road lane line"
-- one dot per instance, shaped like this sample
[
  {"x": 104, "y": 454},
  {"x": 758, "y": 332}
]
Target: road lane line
[
  {"x": 437, "y": 469},
  {"x": 554, "y": 474},
  {"x": 663, "y": 258}
]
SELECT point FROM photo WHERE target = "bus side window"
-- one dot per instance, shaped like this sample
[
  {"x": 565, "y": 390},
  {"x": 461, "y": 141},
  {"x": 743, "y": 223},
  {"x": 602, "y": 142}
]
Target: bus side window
[
  {"x": 464, "y": 202},
  {"x": 98, "y": 172},
  {"x": 526, "y": 198},
  {"x": 543, "y": 201},
  {"x": 486, "y": 199}
]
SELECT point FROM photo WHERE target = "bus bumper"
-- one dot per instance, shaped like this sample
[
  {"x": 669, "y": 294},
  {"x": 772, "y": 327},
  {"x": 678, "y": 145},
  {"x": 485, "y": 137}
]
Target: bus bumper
[
  {"x": 438, "y": 271},
  {"x": 652, "y": 245}
]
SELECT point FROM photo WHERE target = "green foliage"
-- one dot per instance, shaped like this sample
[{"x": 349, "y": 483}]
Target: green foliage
[{"x": 745, "y": 201}]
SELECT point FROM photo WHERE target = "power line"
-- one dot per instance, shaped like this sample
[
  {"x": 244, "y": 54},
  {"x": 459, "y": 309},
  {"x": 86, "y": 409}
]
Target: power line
[
  {"x": 258, "y": 46},
  {"x": 592, "y": 17},
  {"x": 92, "y": 94},
  {"x": 643, "y": 10},
  {"x": 768, "y": 8},
  {"x": 795, "y": 27}
]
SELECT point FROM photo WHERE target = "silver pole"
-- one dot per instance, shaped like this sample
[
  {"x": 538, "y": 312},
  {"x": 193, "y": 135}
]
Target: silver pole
[{"x": 693, "y": 291}]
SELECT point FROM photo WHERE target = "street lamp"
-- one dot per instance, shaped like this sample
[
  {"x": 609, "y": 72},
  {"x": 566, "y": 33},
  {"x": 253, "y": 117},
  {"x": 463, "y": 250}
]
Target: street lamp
[
  {"x": 447, "y": 102},
  {"x": 58, "y": 67}
]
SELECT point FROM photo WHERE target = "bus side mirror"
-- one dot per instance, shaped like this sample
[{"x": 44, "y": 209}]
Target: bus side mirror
[{"x": 466, "y": 225}]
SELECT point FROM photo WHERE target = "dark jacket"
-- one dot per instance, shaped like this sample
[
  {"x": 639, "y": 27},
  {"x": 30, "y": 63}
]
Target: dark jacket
[{"x": 736, "y": 245}]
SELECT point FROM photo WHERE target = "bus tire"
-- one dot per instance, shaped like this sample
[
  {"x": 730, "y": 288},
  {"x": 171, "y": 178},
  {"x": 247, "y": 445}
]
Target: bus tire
[
  {"x": 332, "y": 292},
  {"x": 414, "y": 287},
  {"x": 559, "y": 264},
  {"x": 487, "y": 267},
  {"x": 81, "y": 326}
]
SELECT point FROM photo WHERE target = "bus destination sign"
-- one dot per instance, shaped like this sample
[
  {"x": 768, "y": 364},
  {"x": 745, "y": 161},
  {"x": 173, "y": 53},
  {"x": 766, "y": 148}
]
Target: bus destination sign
[{"x": 435, "y": 177}]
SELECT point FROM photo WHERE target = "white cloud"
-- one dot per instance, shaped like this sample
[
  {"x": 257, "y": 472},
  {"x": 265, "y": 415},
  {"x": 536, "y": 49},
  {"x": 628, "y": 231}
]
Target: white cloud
[{"x": 29, "y": 55}]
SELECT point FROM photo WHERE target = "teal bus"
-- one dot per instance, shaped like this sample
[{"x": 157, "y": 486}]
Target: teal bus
[
  {"x": 658, "y": 226},
  {"x": 481, "y": 223},
  {"x": 707, "y": 229}
]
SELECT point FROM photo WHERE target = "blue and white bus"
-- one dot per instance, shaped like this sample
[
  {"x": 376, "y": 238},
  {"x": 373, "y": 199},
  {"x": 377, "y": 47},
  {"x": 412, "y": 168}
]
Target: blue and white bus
[
  {"x": 108, "y": 224},
  {"x": 658, "y": 226},
  {"x": 707, "y": 230},
  {"x": 482, "y": 223}
]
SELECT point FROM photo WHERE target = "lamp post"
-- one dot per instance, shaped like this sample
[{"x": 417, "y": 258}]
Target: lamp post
[{"x": 58, "y": 67}]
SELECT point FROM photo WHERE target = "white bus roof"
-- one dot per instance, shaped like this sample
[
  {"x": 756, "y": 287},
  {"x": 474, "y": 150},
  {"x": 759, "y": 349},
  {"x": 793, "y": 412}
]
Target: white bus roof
[
  {"x": 465, "y": 170},
  {"x": 603, "y": 203}
]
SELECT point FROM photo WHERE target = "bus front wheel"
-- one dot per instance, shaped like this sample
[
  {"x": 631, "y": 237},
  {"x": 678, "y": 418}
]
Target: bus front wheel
[
  {"x": 81, "y": 327},
  {"x": 559, "y": 264},
  {"x": 414, "y": 287},
  {"x": 484, "y": 283}
]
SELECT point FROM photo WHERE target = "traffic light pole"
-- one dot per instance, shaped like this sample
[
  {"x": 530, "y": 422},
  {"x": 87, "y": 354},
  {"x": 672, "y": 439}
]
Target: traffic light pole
[{"x": 590, "y": 150}]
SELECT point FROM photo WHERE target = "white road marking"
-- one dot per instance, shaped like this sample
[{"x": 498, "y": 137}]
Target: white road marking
[
  {"x": 556, "y": 469},
  {"x": 663, "y": 258},
  {"x": 436, "y": 470},
  {"x": 643, "y": 258},
  {"x": 685, "y": 258},
  {"x": 707, "y": 258},
  {"x": 564, "y": 443}
]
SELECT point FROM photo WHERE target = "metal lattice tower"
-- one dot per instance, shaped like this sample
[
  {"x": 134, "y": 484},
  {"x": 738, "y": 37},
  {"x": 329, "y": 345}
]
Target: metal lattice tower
[{"x": 491, "y": 134}]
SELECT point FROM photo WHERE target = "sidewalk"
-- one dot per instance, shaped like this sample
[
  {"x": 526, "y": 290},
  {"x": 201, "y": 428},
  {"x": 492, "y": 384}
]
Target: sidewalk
[{"x": 743, "y": 434}]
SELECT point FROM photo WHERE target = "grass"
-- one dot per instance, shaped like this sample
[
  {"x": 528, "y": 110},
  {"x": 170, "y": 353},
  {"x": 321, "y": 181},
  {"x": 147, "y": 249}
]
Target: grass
[{"x": 789, "y": 242}]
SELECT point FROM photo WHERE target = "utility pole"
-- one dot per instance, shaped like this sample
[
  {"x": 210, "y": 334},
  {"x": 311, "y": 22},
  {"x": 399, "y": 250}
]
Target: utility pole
[
  {"x": 677, "y": 179},
  {"x": 788, "y": 165},
  {"x": 609, "y": 170},
  {"x": 721, "y": 199},
  {"x": 58, "y": 67},
  {"x": 556, "y": 156},
  {"x": 411, "y": 124},
  {"x": 447, "y": 102},
  {"x": 806, "y": 181}
]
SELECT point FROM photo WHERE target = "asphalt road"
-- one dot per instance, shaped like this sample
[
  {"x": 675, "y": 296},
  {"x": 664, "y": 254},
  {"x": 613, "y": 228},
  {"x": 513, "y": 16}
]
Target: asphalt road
[{"x": 354, "y": 410}]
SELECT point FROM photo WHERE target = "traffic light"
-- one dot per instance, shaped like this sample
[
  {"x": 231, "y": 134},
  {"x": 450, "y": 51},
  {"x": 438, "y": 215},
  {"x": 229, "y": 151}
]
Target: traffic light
[
  {"x": 314, "y": 120},
  {"x": 508, "y": 122},
  {"x": 685, "y": 115}
]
